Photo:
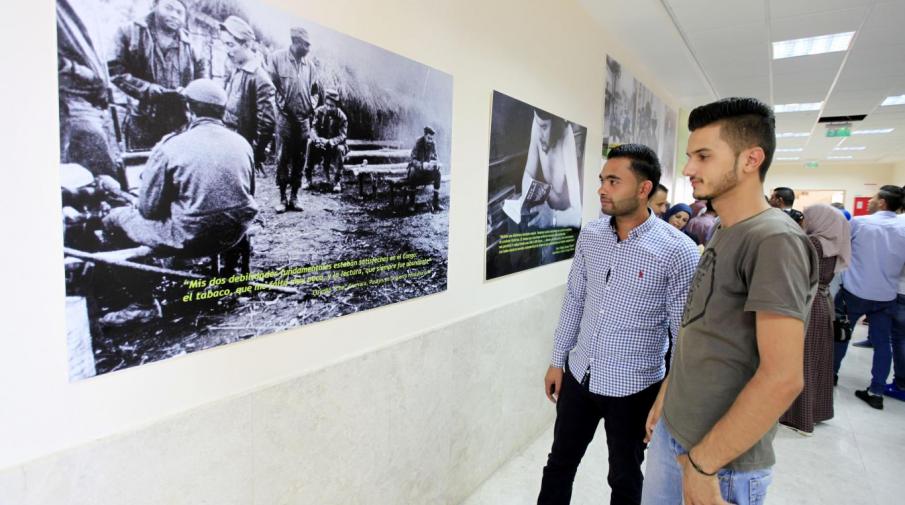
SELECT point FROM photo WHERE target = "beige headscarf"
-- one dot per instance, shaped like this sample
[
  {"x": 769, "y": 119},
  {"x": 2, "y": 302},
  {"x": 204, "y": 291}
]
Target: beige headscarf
[{"x": 834, "y": 233}]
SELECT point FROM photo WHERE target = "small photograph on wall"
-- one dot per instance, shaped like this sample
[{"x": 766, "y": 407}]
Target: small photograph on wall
[
  {"x": 229, "y": 170},
  {"x": 534, "y": 188},
  {"x": 633, "y": 114}
]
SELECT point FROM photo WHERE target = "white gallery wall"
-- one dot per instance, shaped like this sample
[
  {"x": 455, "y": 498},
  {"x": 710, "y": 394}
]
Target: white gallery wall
[
  {"x": 854, "y": 179},
  {"x": 549, "y": 54}
]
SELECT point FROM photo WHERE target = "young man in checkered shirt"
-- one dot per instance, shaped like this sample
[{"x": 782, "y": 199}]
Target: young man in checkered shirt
[{"x": 625, "y": 294}]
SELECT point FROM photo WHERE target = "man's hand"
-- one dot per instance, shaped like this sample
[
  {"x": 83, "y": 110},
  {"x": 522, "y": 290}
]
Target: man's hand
[
  {"x": 652, "y": 417},
  {"x": 553, "y": 383},
  {"x": 698, "y": 489},
  {"x": 156, "y": 90},
  {"x": 656, "y": 409}
]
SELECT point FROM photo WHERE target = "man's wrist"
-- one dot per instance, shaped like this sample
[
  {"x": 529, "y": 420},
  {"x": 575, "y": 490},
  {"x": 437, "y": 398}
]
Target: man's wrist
[{"x": 697, "y": 466}]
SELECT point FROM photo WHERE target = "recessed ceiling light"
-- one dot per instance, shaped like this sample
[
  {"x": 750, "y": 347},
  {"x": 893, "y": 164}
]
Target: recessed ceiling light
[
  {"x": 849, "y": 148},
  {"x": 797, "y": 107},
  {"x": 812, "y": 45},
  {"x": 873, "y": 132},
  {"x": 788, "y": 158},
  {"x": 839, "y": 157},
  {"x": 786, "y": 135},
  {"x": 790, "y": 150},
  {"x": 894, "y": 100}
]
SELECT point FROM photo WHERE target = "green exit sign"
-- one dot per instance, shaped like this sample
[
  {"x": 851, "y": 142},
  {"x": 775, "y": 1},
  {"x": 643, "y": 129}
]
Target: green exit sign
[
  {"x": 811, "y": 164},
  {"x": 843, "y": 131}
]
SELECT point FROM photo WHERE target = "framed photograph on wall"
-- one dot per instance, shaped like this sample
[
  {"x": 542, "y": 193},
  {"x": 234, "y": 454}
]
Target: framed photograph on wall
[
  {"x": 230, "y": 170},
  {"x": 534, "y": 187}
]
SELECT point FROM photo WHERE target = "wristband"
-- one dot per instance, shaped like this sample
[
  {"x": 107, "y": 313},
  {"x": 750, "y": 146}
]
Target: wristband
[{"x": 697, "y": 468}]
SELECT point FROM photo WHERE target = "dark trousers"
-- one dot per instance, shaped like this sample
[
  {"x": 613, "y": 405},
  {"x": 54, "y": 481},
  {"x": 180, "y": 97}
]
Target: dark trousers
[
  {"x": 878, "y": 332},
  {"x": 293, "y": 136},
  {"x": 578, "y": 411},
  {"x": 331, "y": 158}
]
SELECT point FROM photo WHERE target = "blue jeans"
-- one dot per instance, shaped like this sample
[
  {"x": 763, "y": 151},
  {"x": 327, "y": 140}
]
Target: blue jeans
[
  {"x": 878, "y": 332},
  {"x": 897, "y": 336},
  {"x": 663, "y": 477}
]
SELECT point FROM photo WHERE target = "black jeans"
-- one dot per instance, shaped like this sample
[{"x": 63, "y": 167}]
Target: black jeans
[{"x": 578, "y": 411}]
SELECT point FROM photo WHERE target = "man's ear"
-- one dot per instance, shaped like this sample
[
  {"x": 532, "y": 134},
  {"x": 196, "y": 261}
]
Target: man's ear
[
  {"x": 752, "y": 160},
  {"x": 645, "y": 188}
]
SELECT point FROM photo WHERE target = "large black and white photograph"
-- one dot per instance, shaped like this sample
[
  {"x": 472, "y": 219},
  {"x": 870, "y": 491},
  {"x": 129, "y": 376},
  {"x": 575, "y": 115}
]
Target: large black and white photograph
[
  {"x": 229, "y": 170},
  {"x": 633, "y": 113},
  {"x": 534, "y": 187}
]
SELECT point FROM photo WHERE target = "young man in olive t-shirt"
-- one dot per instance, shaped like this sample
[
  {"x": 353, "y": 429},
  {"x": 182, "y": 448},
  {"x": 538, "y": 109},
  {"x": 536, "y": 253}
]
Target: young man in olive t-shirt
[{"x": 739, "y": 355}]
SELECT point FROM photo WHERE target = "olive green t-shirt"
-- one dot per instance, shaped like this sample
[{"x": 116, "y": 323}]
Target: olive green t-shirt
[{"x": 764, "y": 263}]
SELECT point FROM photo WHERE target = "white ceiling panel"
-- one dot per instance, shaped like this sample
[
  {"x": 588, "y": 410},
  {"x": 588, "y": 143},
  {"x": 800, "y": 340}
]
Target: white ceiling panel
[
  {"x": 731, "y": 36},
  {"x": 821, "y": 23},
  {"x": 788, "y": 8},
  {"x": 886, "y": 21},
  {"x": 802, "y": 88},
  {"x": 826, "y": 63},
  {"x": 697, "y": 16}
]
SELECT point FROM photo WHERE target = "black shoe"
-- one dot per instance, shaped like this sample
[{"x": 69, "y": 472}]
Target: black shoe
[
  {"x": 875, "y": 401},
  {"x": 864, "y": 344}
]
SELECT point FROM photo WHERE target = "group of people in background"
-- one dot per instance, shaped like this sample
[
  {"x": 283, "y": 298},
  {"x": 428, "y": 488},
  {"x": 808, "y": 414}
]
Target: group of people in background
[{"x": 696, "y": 328}]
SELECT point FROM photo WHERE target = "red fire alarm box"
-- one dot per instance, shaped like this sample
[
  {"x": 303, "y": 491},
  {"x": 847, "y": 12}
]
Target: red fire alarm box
[{"x": 860, "y": 206}]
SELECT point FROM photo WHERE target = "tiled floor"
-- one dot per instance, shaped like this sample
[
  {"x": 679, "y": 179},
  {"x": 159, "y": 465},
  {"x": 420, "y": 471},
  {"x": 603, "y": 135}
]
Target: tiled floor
[{"x": 857, "y": 458}]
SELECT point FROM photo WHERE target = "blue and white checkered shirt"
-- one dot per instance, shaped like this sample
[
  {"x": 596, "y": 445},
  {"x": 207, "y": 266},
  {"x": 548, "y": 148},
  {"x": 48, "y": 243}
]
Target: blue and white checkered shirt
[{"x": 620, "y": 300}]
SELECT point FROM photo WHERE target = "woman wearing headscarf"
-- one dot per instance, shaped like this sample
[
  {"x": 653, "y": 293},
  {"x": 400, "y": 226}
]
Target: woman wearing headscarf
[
  {"x": 830, "y": 233},
  {"x": 678, "y": 216}
]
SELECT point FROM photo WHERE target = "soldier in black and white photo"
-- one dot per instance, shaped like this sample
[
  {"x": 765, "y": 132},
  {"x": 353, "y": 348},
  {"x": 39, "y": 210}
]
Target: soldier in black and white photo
[
  {"x": 328, "y": 141},
  {"x": 423, "y": 168},
  {"x": 84, "y": 84},
  {"x": 196, "y": 195},
  {"x": 297, "y": 90},
  {"x": 153, "y": 60},
  {"x": 249, "y": 90}
]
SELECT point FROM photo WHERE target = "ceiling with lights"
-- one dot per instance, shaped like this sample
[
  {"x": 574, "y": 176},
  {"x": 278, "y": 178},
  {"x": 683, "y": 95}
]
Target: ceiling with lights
[{"x": 808, "y": 58}]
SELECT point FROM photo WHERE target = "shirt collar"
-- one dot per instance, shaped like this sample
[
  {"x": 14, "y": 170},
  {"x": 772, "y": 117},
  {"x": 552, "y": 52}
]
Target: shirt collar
[
  {"x": 301, "y": 61},
  {"x": 885, "y": 213},
  {"x": 638, "y": 230},
  {"x": 204, "y": 120},
  {"x": 250, "y": 66}
]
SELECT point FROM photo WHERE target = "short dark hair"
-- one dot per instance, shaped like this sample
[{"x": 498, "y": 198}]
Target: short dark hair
[
  {"x": 202, "y": 109},
  {"x": 894, "y": 197},
  {"x": 744, "y": 123},
  {"x": 661, "y": 187},
  {"x": 787, "y": 195},
  {"x": 644, "y": 163}
]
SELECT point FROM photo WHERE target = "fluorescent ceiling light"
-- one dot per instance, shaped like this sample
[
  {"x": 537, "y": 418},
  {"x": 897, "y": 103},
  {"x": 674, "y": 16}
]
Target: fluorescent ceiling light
[
  {"x": 788, "y": 158},
  {"x": 873, "y": 132},
  {"x": 812, "y": 45},
  {"x": 790, "y": 150},
  {"x": 786, "y": 135},
  {"x": 894, "y": 100},
  {"x": 838, "y": 157},
  {"x": 797, "y": 107},
  {"x": 849, "y": 148}
]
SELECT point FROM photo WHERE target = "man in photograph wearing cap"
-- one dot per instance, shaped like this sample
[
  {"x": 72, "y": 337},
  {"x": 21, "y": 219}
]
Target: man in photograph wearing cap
[
  {"x": 249, "y": 91},
  {"x": 328, "y": 142},
  {"x": 295, "y": 79},
  {"x": 196, "y": 195},
  {"x": 423, "y": 168},
  {"x": 153, "y": 59}
]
